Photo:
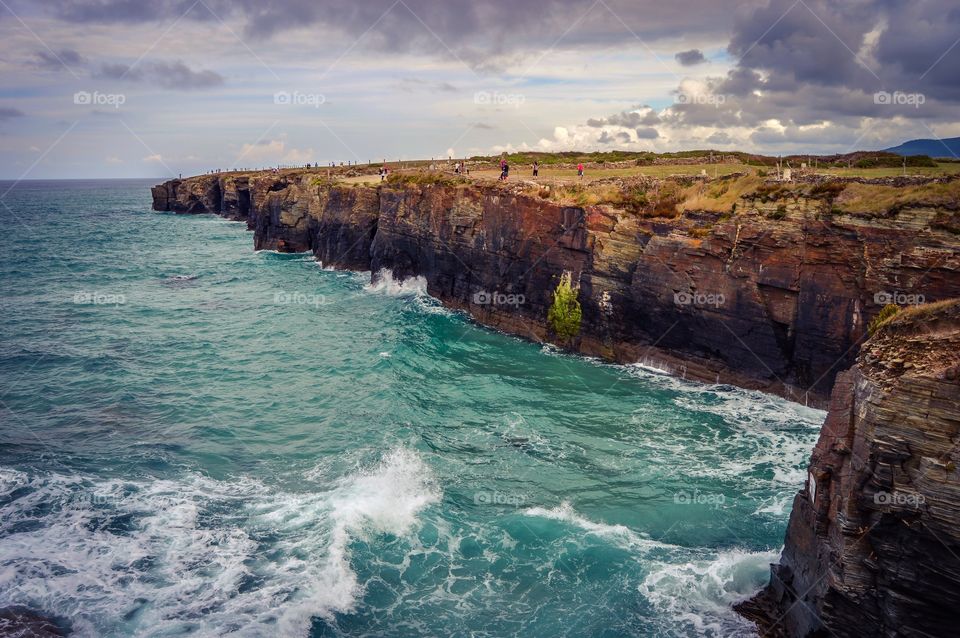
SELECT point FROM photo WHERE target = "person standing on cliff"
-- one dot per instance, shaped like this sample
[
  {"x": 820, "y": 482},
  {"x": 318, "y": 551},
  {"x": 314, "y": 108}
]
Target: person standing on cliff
[{"x": 580, "y": 170}]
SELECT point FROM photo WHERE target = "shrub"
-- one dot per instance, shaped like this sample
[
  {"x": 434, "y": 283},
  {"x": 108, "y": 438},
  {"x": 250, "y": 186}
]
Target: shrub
[
  {"x": 886, "y": 313},
  {"x": 828, "y": 190},
  {"x": 565, "y": 313},
  {"x": 778, "y": 214}
]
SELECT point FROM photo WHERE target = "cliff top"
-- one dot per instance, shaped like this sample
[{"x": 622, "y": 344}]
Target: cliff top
[
  {"x": 871, "y": 198},
  {"x": 919, "y": 340}
]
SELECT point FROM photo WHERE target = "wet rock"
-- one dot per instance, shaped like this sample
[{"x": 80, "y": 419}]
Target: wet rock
[
  {"x": 21, "y": 622},
  {"x": 873, "y": 543}
]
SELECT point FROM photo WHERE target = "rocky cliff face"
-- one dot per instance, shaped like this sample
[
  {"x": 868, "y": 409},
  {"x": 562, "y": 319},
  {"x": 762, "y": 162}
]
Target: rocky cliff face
[
  {"x": 773, "y": 290},
  {"x": 873, "y": 547}
]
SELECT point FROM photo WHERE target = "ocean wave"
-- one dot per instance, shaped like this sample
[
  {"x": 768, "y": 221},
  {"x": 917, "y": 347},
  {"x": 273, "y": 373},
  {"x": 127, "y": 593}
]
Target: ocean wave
[
  {"x": 414, "y": 288},
  {"x": 699, "y": 593},
  {"x": 384, "y": 283},
  {"x": 197, "y": 554},
  {"x": 619, "y": 534}
]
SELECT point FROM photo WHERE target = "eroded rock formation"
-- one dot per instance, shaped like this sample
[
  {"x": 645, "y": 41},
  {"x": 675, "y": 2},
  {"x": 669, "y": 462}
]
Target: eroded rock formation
[
  {"x": 873, "y": 546},
  {"x": 773, "y": 290}
]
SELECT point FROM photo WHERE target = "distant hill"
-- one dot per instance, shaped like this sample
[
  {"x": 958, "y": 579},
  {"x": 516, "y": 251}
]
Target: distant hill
[{"x": 949, "y": 147}]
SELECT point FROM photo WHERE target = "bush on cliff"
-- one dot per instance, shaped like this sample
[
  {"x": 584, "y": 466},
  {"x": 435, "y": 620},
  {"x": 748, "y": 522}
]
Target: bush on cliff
[
  {"x": 565, "y": 313},
  {"x": 885, "y": 315}
]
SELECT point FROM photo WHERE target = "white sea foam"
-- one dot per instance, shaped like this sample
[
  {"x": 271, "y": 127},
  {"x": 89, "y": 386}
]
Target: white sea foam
[
  {"x": 212, "y": 557},
  {"x": 385, "y": 284},
  {"x": 284, "y": 253},
  {"x": 699, "y": 593},
  {"x": 384, "y": 500},
  {"x": 772, "y": 436},
  {"x": 620, "y": 534}
]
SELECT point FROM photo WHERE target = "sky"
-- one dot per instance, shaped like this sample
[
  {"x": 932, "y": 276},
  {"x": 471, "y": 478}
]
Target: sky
[{"x": 137, "y": 88}]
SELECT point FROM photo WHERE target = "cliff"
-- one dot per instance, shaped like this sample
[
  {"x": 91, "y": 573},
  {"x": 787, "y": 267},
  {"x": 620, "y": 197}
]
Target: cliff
[
  {"x": 733, "y": 280},
  {"x": 873, "y": 547}
]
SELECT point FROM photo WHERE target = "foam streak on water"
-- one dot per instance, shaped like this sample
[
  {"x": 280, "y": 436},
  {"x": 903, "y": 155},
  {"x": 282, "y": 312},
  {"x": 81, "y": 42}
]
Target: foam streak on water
[
  {"x": 112, "y": 541},
  {"x": 211, "y": 453}
]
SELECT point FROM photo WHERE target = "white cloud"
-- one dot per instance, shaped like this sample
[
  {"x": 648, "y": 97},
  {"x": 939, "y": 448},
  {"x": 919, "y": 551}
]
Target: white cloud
[{"x": 275, "y": 152}]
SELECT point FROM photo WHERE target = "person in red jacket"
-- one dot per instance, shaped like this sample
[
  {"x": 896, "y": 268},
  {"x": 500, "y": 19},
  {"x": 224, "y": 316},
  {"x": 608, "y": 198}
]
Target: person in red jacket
[{"x": 580, "y": 170}]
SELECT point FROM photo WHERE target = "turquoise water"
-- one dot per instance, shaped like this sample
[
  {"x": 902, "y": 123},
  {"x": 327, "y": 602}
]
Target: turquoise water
[{"x": 198, "y": 439}]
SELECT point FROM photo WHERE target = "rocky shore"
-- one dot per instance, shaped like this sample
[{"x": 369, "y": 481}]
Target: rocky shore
[{"x": 752, "y": 283}]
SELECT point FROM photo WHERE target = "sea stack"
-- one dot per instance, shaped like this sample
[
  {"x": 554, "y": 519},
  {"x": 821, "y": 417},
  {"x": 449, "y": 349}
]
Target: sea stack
[{"x": 873, "y": 543}]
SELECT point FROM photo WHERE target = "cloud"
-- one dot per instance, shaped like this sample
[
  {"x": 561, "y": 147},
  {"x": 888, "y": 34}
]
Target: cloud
[
  {"x": 804, "y": 63},
  {"x": 642, "y": 115},
  {"x": 476, "y": 32},
  {"x": 647, "y": 133},
  {"x": 61, "y": 60},
  {"x": 270, "y": 152},
  {"x": 7, "y": 113},
  {"x": 721, "y": 138},
  {"x": 169, "y": 75},
  {"x": 691, "y": 57},
  {"x": 411, "y": 85}
]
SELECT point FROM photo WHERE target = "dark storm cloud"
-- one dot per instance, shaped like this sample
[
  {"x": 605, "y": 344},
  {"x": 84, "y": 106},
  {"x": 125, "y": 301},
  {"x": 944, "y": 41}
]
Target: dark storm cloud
[
  {"x": 7, "y": 113},
  {"x": 474, "y": 30},
  {"x": 691, "y": 57},
  {"x": 821, "y": 67},
  {"x": 57, "y": 60},
  {"x": 111, "y": 11},
  {"x": 169, "y": 75}
]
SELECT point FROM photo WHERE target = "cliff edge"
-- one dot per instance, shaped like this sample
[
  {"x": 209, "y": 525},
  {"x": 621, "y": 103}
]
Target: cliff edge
[
  {"x": 873, "y": 545},
  {"x": 738, "y": 280}
]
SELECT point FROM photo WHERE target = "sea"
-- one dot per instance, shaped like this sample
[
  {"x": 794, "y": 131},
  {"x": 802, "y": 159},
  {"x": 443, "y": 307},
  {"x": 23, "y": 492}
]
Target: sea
[{"x": 199, "y": 439}]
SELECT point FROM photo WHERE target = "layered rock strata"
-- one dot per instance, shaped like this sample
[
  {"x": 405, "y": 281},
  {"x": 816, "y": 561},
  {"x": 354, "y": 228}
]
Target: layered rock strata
[
  {"x": 773, "y": 291},
  {"x": 873, "y": 545}
]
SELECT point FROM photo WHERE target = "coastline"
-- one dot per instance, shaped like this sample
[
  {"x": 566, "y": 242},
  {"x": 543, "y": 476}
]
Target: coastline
[{"x": 796, "y": 290}]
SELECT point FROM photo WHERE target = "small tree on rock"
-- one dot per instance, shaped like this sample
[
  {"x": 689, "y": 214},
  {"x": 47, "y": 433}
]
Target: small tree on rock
[{"x": 565, "y": 313}]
